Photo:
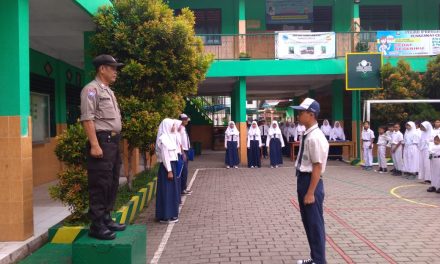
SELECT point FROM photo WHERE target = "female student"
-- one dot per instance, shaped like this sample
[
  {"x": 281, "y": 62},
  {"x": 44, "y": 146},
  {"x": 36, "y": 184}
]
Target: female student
[
  {"x": 167, "y": 205},
  {"x": 232, "y": 143},
  {"x": 179, "y": 166},
  {"x": 410, "y": 151},
  {"x": 275, "y": 142},
  {"x": 424, "y": 162},
  {"x": 253, "y": 144},
  {"x": 336, "y": 134},
  {"x": 326, "y": 128}
]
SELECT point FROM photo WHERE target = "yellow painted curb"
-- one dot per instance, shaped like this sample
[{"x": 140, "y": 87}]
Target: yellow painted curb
[
  {"x": 124, "y": 211},
  {"x": 393, "y": 192},
  {"x": 150, "y": 193},
  {"x": 144, "y": 197},
  {"x": 66, "y": 234},
  {"x": 135, "y": 200}
]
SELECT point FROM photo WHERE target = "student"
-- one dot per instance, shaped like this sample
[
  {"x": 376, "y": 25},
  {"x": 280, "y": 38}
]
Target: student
[
  {"x": 397, "y": 150},
  {"x": 410, "y": 151},
  {"x": 291, "y": 132},
  {"x": 180, "y": 153},
  {"x": 167, "y": 205},
  {"x": 434, "y": 156},
  {"x": 382, "y": 142},
  {"x": 275, "y": 142},
  {"x": 300, "y": 129},
  {"x": 436, "y": 129},
  {"x": 424, "y": 162},
  {"x": 310, "y": 166},
  {"x": 185, "y": 146},
  {"x": 232, "y": 143},
  {"x": 336, "y": 134},
  {"x": 286, "y": 148},
  {"x": 367, "y": 145},
  {"x": 389, "y": 134},
  {"x": 253, "y": 144},
  {"x": 264, "y": 129},
  {"x": 326, "y": 128}
]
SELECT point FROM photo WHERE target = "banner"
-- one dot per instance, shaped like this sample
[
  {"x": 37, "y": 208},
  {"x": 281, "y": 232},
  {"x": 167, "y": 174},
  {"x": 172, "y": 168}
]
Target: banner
[
  {"x": 305, "y": 45},
  {"x": 289, "y": 11},
  {"x": 409, "y": 43},
  {"x": 363, "y": 71}
]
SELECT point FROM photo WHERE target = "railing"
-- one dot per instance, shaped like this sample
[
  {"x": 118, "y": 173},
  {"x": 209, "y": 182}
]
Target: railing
[
  {"x": 214, "y": 108},
  {"x": 262, "y": 45}
]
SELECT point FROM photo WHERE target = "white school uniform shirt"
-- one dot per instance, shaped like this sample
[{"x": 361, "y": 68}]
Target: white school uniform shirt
[
  {"x": 326, "y": 129},
  {"x": 383, "y": 140},
  {"x": 166, "y": 144},
  {"x": 390, "y": 136},
  {"x": 434, "y": 149},
  {"x": 367, "y": 137},
  {"x": 396, "y": 138},
  {"x": 435, "y": 132},
  {"x": 291, "y": 132},
  {"x": 264, "y": 130},
  {"x": 184, "y": 138},
  {"x": 315, "y": 150},
  {"x": 254, "y": 134}
]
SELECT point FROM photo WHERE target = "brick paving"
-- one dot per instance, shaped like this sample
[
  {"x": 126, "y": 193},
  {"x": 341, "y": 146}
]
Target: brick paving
[{"x": 251, "y": 216}]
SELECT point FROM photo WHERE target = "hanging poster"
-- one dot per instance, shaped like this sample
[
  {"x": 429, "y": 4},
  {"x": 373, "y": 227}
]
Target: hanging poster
[
  {"x": 363, "y": 71},
  {"x": 409, "y": 43},
  {"x": 289, "y": 11},
  {"x": 305, "y": 45}
]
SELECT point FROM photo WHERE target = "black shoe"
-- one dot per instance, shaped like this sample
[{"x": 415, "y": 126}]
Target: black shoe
[
  {"x": 385, "y": 170},
  {"x": 438, "y": 190},
  {"x": 431, "y": 189},
  {"x": 305, "y": 261},
  {"x": 112, "y": 225},
  {"x": 100, "y": 231},
  {"x": 428, "y": 182}
]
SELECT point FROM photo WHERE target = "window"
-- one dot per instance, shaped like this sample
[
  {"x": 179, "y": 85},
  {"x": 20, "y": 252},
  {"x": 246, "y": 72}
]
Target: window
[
  {"x": 73, "y": 103},
  {"x": 380, "y": 17},
  {"x": 40, "y": 117},
  {"x": 42, "y": 100},
  {"x": 322, "y": 19},
  {"x": 208, "y": 21}
]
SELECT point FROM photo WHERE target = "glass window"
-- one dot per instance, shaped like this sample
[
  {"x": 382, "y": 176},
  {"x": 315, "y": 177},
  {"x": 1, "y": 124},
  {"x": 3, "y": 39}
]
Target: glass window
[
  {"x": 40, "y": 117},
  {"x": 380, "y": 17},
  {"x": 73, "y": 103},
  {"x": 209, "y": 22}
]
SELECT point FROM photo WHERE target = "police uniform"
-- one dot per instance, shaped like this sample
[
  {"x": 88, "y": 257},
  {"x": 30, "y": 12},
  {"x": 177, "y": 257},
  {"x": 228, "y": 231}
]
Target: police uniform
[
  {"x": 98, "y": 104},
  {"x": 314, "y": 149}
]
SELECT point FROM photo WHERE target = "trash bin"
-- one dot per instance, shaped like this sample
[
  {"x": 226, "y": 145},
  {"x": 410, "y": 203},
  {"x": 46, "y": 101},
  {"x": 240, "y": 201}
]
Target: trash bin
[{"x": 197, "y": 147}]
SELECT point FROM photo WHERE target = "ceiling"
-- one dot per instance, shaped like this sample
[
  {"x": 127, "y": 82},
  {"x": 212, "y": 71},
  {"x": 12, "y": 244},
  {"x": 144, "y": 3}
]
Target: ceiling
[
  {"x": 56, "y": 29},
  {"x": 267, "y": 88}
]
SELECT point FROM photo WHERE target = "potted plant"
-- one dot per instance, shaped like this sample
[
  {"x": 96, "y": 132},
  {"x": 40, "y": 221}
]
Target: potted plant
[{"x": 244, "y": 56}]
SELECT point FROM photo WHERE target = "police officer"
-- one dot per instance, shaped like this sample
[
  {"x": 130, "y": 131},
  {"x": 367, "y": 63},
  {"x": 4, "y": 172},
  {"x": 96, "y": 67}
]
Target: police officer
[
  {"x": 101, "y": 119},
  {"x": 310, "y": 165}
]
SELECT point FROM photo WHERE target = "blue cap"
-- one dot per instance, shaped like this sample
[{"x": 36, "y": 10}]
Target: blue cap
[{"x": 308, "y": 105}]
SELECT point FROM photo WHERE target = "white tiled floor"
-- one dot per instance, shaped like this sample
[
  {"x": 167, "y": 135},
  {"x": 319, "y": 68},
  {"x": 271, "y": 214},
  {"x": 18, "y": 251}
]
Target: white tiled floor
[{"x": 47, "y": 213}]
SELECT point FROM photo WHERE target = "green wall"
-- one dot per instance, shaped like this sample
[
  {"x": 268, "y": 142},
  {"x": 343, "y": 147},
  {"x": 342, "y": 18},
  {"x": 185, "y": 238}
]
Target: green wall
[
  {"x": 91, "y": 6},
  {"x": 229, "y": 11},
  {"x": 14, "y": 62},
  {"x": 38, "y": 61}
]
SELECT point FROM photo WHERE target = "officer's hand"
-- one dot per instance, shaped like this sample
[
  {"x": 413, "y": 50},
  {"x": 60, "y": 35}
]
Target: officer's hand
[
  {"x": 170, "y": 175},
  {"x": 96, "y": 152},
  {"x": 309, "y": 198}
]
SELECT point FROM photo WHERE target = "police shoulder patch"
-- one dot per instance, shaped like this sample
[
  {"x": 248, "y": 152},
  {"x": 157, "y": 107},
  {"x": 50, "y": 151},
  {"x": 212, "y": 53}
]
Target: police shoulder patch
[{"x": 91, "y": 92}]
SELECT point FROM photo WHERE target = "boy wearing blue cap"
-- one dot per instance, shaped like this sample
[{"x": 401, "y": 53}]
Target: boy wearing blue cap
[{"x": 310, "y": 165}]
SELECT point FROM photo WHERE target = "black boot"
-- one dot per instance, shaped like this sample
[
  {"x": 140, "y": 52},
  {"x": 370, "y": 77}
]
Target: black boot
[
  {"x": 112, "y": 225},
  {"x": 100, "y": 231}
]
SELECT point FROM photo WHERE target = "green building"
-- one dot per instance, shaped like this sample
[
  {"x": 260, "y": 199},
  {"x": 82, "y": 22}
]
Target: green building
[{"x": 44, "y": 65}]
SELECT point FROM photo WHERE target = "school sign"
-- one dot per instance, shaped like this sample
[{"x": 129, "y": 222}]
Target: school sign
[{"x": 363, "y": 71}]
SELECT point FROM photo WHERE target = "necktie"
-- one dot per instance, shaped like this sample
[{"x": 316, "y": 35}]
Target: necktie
[{"x": 301, "y": 151}]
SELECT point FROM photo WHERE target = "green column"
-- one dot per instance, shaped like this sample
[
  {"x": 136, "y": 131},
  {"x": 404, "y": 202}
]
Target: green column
[
  {"x": 14, "y": 62},
  {"x": 238, "y": 101},
  {"x": 356, "y": 119},
  {"x": 337, "y": 100},
  {"x": 241, "y": 10}
]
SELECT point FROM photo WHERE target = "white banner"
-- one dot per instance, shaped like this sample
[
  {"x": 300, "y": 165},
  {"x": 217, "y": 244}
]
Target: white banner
[{"x": 305, "y": 45}]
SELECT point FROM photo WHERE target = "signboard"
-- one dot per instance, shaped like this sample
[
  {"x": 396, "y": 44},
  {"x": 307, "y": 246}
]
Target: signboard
[
  {"x": 289, "y": 11},
  {"x": 305, "y": 45},
  {"x": 363, "y": 71},
  {"x": 409, "y": 43}
]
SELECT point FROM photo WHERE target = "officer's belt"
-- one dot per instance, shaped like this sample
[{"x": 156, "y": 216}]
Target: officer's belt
[
  {"x": 107, "y": 133},
  {"x": 108, "y": 136}
]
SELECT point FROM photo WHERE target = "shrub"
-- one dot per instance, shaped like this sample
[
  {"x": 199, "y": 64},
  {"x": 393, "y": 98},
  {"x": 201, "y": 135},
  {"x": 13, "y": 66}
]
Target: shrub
[{"x": 71, "y": 146}]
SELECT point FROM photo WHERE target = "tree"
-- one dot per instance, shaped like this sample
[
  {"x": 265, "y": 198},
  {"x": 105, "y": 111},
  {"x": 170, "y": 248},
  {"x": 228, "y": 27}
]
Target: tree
[
  {"x": 164, "y": 62},
  {"x": 400, "y": 82},
  {"x": 431, "y": 80}
]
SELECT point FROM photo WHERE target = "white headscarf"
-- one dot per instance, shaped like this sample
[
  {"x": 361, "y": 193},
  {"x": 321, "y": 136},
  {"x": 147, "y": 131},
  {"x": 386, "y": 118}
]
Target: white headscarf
[
  {"x": 326, "y": 128},
  {"x": 426, "y": 136},
  {"x": 337, "y": 132},
  {"x": 165, "y": 137},
  {"x": 274, "y": 131},
  {"x": 254, "y": 131},
  {"x": 232, "y": 131},
  {"x": 178, "y": 123}
]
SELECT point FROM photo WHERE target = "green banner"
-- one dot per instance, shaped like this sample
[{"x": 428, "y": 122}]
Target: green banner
[{"x": 363, "y": 71}]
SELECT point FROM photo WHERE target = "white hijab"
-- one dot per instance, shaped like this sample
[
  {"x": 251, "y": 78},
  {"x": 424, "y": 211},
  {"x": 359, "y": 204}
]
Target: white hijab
[
  {"x": 254, "y": 131},
  {"x": 426, "y": 136},
  {"x": 165, "y": 137},
  {"x": 413, "y": 129},
  {"x": 232, "y": 131},
  {"x": 326, "y": 128},
  {"x": 338, "y": 132},
  {"x": 274, "y": 131}
]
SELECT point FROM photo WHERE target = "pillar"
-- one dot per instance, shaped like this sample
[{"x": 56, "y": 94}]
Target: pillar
[
  {"x": 16, "y": 221},
  {"x": 338, "y": 100},
  {"x": 242, "y": 26},
  {"x": 239, "y": 116},
  {"x": 356, "y": 121}
]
